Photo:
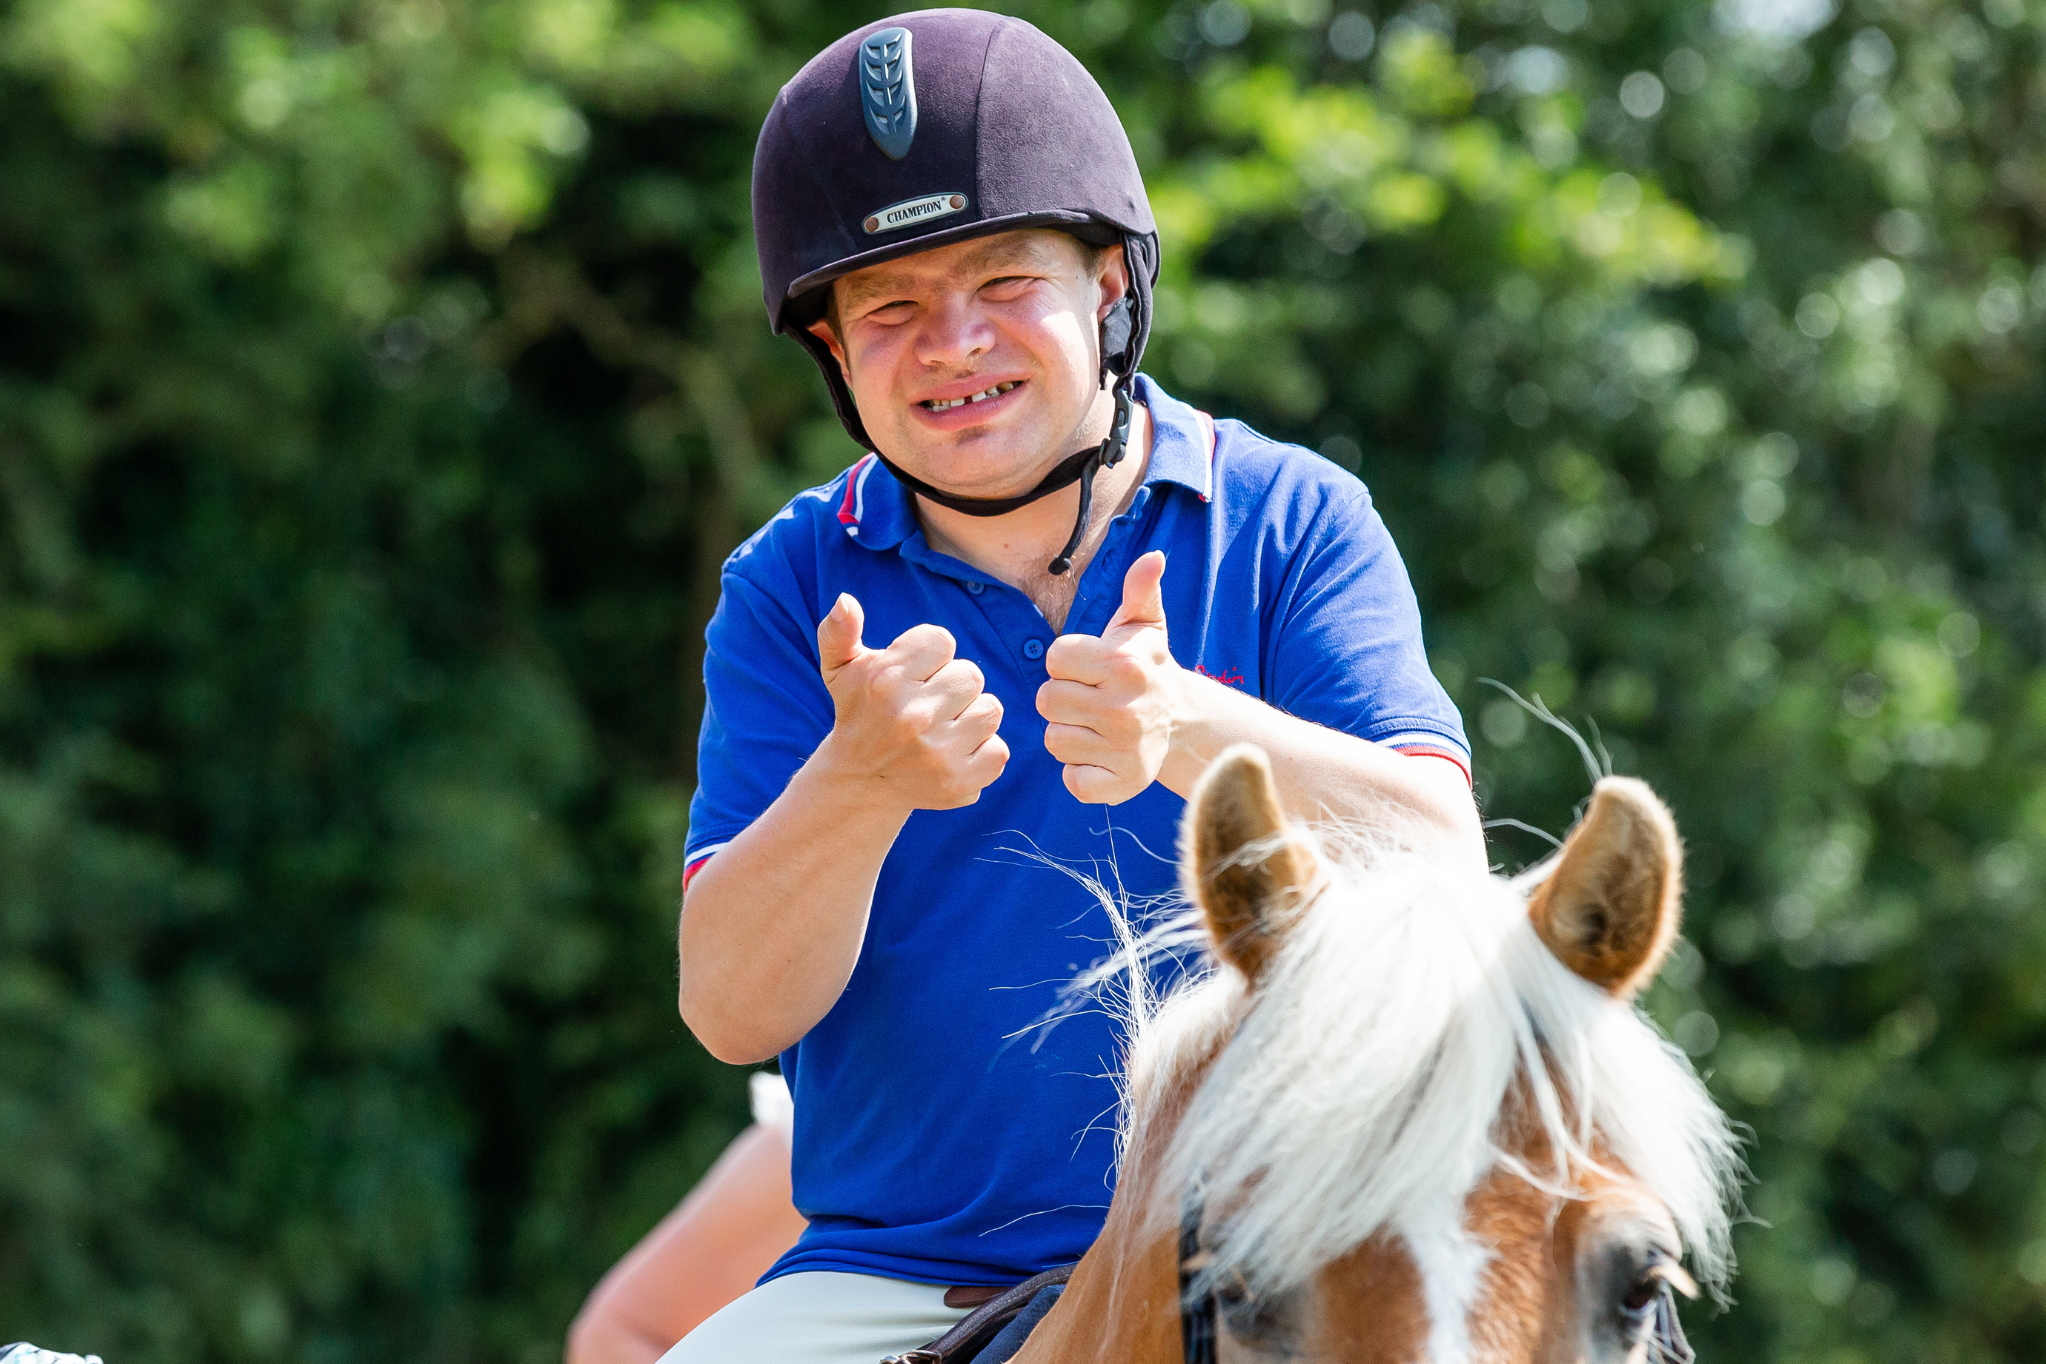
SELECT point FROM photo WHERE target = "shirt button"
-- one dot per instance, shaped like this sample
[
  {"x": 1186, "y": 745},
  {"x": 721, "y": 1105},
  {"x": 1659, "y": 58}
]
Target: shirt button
[
  {"x": 1033, "y": 649},
  {"x": 976, "y": 588}
]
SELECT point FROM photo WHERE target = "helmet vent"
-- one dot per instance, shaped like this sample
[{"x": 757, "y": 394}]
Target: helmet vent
[{"x": 888, "y": 91}]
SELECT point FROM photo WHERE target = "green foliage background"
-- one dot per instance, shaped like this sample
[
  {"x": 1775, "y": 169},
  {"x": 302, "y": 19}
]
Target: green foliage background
[{"x": 382, "y": 381}]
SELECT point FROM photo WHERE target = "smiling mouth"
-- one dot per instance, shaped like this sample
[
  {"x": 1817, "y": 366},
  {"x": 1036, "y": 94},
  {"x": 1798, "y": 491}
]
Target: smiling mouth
[{"x": 947, "y": 404}]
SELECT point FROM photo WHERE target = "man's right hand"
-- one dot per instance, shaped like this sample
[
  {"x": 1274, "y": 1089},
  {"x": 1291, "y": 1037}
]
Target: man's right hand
[
  {"x": 911, "y": 718},
  {"x": 772, "y": 926}
]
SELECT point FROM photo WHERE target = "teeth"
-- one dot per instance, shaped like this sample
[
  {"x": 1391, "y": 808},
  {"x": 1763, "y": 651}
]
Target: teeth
[{"x": 946, "y": 404}]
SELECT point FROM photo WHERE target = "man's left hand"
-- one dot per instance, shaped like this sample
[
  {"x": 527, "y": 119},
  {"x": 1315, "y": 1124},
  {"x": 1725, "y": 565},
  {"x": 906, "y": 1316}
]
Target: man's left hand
[{"x": 1112, "y": 702}]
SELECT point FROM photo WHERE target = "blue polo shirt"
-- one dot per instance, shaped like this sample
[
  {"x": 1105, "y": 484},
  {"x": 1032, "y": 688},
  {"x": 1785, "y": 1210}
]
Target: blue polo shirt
[{"x": 941, "y": 1135}]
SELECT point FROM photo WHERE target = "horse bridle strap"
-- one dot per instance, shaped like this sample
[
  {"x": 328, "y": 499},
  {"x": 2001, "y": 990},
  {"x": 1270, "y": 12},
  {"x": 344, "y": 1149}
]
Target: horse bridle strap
[{"x": 1196, "y": 1310}]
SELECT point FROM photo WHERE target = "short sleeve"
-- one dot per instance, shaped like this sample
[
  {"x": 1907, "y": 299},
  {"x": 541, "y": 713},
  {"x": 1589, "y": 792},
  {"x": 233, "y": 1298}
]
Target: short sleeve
[
  {"x": 765, "y": 711},
  {"x": 1346, "y": 639}
]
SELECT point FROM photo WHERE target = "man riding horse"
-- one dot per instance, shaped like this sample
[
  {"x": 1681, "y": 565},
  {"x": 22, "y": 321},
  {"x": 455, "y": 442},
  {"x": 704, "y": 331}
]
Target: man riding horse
[{"x": 1087, "y": 590}]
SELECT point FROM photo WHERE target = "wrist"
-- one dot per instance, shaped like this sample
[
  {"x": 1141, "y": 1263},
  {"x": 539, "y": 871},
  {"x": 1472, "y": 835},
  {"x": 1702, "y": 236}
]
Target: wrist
[
  {"x": 850, "y": 790},
  {"x": 1198, "y": 729}
]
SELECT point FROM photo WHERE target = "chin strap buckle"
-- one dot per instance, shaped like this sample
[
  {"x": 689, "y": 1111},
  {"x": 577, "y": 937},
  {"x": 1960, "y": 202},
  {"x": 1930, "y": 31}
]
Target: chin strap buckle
[{"x": 1106, "y": 455}]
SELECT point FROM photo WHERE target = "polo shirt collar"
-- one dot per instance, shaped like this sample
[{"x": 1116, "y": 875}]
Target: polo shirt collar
[
  {"x": 1182, "y": 441},
  {"x": 875, "y": 510},
  {"x": 880, "y": 513}
]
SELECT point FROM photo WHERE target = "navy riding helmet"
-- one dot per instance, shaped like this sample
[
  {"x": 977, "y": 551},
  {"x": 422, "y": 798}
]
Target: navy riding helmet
[{"x": 934, "y": 127}]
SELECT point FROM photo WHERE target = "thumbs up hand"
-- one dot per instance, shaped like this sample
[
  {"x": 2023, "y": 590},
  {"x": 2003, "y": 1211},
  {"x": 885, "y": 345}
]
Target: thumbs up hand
[
  {"x": 1112, "y": 703},
  {"x": 913, "y": 723},
  {"x": 1143, "y": 600}
]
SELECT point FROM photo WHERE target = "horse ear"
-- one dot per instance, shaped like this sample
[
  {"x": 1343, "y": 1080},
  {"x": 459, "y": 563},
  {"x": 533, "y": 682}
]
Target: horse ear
[
  {"x": 1613, "y": 898},
  {"x": 1244, "y": 862}
]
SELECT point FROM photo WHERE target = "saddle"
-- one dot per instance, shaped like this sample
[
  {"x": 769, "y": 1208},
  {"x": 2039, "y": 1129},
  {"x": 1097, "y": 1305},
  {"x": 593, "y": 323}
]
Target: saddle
[{"x": 992, "y": 1332}]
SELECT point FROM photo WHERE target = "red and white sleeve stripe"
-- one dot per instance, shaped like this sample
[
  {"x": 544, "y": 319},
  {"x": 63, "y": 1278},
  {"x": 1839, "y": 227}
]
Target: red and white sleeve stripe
[
  {"x": 698, "y": 858},
  {"x": 1422, "y": 749}
]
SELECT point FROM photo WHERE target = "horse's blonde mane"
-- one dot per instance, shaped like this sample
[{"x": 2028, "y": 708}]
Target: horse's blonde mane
[{"x": 1359, "y": 1091}]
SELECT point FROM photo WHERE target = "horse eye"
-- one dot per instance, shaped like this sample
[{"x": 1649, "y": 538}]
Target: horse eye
[
  {"x": 1641, "y": 1296},
  {"x": 1251, "y": 1320}
]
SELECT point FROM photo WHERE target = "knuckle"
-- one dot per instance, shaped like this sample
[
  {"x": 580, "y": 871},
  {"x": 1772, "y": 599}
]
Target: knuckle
[
  {"x": 921, "y": 641},
  {"x": 886, "y": 677}
]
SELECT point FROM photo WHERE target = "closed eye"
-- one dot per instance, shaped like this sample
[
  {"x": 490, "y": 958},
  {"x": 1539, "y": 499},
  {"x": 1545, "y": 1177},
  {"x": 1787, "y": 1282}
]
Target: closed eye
[
  {"x": 889, "y": 314},
  {"x": 1006, "y": 287}
]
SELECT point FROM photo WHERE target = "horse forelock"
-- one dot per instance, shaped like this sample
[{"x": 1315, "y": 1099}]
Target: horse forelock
[{"x": 1358, "y": 1092}]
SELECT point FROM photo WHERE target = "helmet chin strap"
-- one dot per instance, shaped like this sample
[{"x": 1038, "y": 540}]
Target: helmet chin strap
[{"x": 1079, "y": 467}]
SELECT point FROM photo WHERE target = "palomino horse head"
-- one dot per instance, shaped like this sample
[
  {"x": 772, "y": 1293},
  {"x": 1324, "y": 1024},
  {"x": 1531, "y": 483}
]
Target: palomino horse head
[{"x": 1413, "y": 1117}]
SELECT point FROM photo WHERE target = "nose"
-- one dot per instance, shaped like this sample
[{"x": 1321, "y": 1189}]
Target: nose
[{"x": 953, "y": 334}]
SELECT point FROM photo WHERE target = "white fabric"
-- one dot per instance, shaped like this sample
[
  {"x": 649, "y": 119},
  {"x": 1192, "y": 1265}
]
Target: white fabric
[
  {"x": 773, "y": 1107},
  {"x": 820, "y": 1318}
]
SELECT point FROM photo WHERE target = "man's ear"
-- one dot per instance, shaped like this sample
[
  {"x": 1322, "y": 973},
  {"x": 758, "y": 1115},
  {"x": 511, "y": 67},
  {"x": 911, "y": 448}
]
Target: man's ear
[
  {"x": 1112, "y": 274},
  {"x": 828, "y": 334},
  {"x": 1612, "y": 899},
  {"x": 1244, "y": 866}
]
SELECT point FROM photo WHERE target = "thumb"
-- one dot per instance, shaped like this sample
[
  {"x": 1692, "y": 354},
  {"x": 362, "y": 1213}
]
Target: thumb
[
  {"x": 838, "y": 635},
  {"x": 1143, "y": 596}
]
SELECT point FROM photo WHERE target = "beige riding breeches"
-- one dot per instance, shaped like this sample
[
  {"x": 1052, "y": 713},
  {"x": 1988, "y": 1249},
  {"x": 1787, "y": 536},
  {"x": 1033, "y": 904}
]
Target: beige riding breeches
[{"x": 820, "y": 1318}]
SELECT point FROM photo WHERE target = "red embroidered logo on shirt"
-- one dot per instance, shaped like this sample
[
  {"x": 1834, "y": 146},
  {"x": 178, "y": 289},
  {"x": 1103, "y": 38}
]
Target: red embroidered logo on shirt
[{"x": 1228, "y": 677}]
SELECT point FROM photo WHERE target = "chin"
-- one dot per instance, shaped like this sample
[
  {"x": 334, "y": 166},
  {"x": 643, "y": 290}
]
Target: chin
[{"x": 977, "y": 464}]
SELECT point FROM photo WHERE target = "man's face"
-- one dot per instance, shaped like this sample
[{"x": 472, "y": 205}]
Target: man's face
[{"x": 923, "y": 340}]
